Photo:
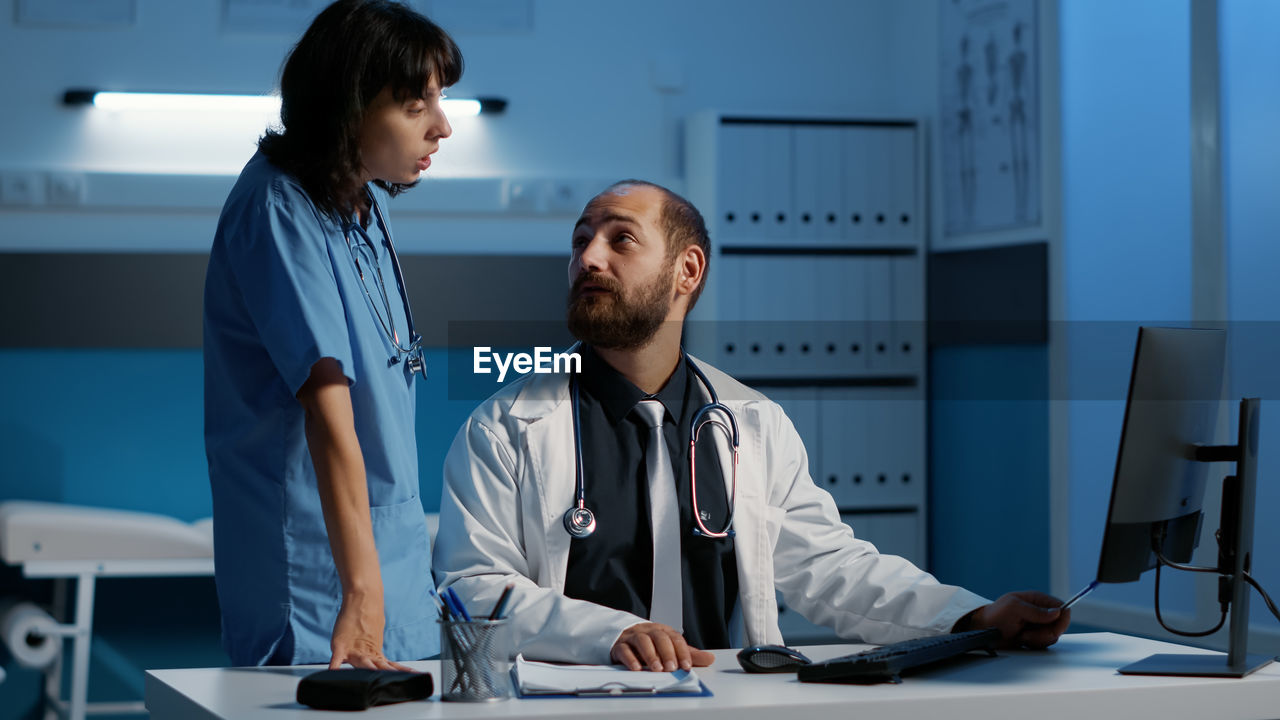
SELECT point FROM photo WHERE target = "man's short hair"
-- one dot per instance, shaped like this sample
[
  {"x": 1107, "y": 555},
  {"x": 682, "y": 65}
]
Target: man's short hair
[{"x": 682, "y": 224}]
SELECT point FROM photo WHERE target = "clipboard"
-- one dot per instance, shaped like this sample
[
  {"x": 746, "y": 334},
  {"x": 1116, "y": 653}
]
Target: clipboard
[{"x": 550, "y": 680}]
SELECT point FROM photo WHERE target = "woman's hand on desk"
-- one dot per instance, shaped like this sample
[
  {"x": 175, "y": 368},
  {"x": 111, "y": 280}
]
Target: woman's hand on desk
[
  {"x": 357, "y": 635},
  {"x": 657, "y": 647},
  {"x": 1026, "y": 619}
]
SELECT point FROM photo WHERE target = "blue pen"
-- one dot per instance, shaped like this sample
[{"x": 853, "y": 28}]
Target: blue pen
[
  {"x": 440, "y": 606},
  {"x": 451, "y": 610},
  {"x": 457, "y": 602},
  {"x": 1078, "y": 596}
]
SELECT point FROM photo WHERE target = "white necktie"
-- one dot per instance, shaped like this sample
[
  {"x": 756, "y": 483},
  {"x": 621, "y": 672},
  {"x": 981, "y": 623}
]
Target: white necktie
[{"x": 666, "y": 605}]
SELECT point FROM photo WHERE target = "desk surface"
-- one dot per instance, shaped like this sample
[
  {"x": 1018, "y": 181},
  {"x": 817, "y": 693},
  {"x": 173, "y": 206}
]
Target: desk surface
[{"x": 1075, "y": 680}]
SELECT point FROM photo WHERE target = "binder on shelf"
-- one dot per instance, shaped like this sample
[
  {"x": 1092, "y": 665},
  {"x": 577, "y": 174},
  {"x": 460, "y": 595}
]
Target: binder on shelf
[
  {"x": 846, "y": 430},
  {"x": 801, "y": 406},
  {"x": 858, "y": 176},
  {"x": 879, "y": 289},
  {"x": 763, "y": 313},
  {"x": 730, "y": 325},
  {"x": 879, "y": 175},
  {"x": 817, "y": 186},
  {"x": 798, "y": 307},
  {"x": 843, "y": 292},
  {"x": 740, "y": 193},
  {"x": 774, "y": 180},
  {"x": 895, "y": 448},
  {"x": 902, "y": 184},
  {"x": 907, "y": 336},
  {"x": 884, "y": 447},
  {"x": 909, "y": 466}
]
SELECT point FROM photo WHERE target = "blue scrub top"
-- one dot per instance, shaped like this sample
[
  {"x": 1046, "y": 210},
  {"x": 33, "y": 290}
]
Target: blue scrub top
[{"x": 282, "y": 292}]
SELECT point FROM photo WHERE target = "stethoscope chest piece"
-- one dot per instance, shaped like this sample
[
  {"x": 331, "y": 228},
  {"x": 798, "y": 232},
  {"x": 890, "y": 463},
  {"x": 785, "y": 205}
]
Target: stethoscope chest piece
[
  {"x": 417, "y": 364},
  {"x": 580, "y": 522}
]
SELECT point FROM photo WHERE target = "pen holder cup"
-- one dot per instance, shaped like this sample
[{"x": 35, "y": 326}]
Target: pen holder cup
[{"x": 475, "y": 660}]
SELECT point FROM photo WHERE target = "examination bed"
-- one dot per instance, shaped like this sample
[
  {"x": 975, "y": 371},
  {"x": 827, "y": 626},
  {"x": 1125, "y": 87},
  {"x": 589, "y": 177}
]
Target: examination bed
[{"x": 70, "y": 543}]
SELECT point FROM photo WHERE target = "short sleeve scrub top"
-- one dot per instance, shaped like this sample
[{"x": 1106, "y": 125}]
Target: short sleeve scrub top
[{"x": 282, "y": 292}]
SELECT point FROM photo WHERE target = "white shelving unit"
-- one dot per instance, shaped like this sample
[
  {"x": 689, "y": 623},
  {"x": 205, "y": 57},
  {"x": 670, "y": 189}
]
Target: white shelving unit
[{"x": 816, "y": 297}]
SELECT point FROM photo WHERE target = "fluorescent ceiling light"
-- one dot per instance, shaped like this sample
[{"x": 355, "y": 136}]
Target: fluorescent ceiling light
[
  {"x": 460, "y": 107},
  {"x": 454, "y": 107},
  {"x": 185, "y": 101}
]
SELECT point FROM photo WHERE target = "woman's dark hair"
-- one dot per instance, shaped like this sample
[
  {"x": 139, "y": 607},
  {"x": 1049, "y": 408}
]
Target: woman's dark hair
[{"x": 353, "y": 49}]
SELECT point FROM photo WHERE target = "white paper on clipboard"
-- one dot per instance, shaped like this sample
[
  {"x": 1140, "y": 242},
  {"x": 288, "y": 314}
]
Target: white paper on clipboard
[{"x": 540, "y": 678}]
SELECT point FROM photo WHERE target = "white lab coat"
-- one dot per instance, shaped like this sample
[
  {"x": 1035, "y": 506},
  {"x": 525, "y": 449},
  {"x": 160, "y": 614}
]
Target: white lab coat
[{"x": 509, "y": 477}]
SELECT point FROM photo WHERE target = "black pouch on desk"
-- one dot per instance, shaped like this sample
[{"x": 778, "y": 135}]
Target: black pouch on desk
[{"x": 355, "y": 689}]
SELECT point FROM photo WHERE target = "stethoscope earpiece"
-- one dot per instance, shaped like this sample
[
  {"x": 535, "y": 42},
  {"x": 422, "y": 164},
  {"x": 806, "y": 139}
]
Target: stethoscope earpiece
[{"x": 579, "y": 522}]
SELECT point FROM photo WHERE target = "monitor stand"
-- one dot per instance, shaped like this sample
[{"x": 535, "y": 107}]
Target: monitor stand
[
  {"x": 1203, "y": 665},
  {"x": 1235, "y": 556}
]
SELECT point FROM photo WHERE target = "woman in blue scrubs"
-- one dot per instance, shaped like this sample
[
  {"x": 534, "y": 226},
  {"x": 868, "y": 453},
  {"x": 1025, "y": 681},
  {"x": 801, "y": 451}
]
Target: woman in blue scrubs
[{"x": 320, "y": 543}]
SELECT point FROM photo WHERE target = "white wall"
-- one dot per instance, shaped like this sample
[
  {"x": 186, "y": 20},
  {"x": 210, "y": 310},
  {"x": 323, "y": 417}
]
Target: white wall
[
  {"x": 1251, "y": 170},
  {"x": 1127, "y": 261},
  {"x": 583, "y": 103},
  {"x": 1126, "y": 233}
]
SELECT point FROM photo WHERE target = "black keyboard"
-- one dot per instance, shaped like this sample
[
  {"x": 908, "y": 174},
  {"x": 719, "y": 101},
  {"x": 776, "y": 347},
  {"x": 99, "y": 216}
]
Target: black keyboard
[{"x": 887, "y": 662}]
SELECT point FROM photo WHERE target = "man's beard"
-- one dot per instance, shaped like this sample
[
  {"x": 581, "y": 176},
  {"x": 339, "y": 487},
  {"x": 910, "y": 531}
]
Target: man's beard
[{"x": 618, "y": 321}]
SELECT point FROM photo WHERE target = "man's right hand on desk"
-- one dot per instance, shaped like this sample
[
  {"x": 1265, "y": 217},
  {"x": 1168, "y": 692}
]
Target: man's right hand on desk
[{"x": 657, "y": 647}]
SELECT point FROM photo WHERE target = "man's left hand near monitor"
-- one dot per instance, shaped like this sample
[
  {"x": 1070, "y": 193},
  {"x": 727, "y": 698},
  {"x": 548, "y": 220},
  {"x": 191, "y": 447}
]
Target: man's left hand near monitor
[{"x": 670, "y": 557}]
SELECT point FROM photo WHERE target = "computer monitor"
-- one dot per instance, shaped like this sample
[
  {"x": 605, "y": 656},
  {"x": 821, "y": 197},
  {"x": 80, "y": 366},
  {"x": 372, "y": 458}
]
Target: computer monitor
[
  {"x": 1155, "y": 516},
  {"x": 1174, "y": 405}
]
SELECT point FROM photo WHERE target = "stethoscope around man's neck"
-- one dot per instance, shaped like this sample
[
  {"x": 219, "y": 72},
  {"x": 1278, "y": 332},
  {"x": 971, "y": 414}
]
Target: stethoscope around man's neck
[{"x": 580, "y": 522}]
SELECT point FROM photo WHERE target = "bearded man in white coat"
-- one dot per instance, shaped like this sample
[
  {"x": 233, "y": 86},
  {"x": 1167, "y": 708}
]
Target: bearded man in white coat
[{"x": 639, "y": 260}]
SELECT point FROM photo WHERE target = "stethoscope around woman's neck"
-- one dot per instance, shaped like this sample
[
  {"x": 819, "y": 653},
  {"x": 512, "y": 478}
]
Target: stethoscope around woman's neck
[
  {"x": 412, "y": 355},
  {"x": 580, "y": 522}
]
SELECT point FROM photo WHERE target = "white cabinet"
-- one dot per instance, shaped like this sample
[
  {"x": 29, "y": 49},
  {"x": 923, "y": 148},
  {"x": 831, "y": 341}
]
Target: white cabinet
[{"x": 817, "y": 284}]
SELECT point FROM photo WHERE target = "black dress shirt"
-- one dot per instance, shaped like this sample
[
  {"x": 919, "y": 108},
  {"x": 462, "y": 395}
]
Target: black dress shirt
[{"x": 614, "y": 566}]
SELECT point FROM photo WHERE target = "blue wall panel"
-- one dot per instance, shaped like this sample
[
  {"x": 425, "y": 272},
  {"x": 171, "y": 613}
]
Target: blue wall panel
[
  {"x": 124, "y": 428},
  {"x": 989, "y": 467}
]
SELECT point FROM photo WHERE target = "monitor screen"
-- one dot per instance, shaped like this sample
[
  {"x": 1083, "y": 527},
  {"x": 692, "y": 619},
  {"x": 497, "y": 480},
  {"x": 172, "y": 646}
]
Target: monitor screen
[{"x": 1175, "y": 404}]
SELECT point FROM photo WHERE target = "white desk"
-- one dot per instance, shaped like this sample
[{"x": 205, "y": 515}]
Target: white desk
[{"x": 1076, "y": 680}]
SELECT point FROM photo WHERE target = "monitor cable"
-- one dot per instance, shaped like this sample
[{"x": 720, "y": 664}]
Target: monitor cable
[
  {"x": 1265, "y": 597},
  {"x": 1157, "y": 541},
  {"x": 1160, "y": 618}
]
